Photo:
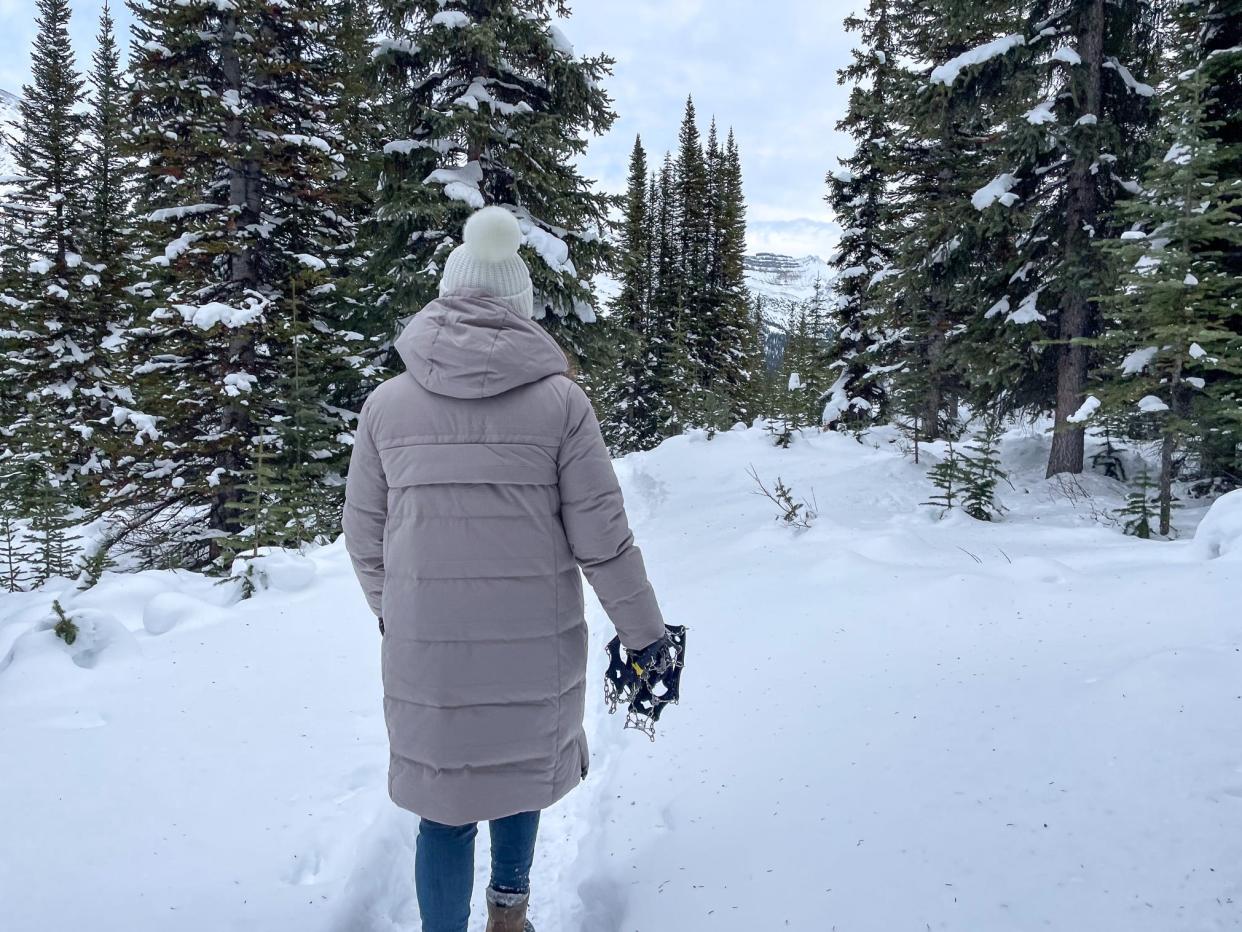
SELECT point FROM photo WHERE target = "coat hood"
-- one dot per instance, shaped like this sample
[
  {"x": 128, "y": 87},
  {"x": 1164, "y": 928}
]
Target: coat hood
[{"x": 469, "y": 345}]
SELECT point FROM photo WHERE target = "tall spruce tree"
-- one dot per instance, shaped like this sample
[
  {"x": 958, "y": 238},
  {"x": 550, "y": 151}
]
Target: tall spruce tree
[
  {"x": 858, "y": 193},
  {"x": 673, "y": 362},
  {"x": 634, "y": 419},
  {"x": 692, "y": 235},
  {"x": 1169, "y": 322},
  {"x": 1075, "y": 120},
  {"x": 733, "y": 353},
  {"x": 52, "y": 346},
  {"x": 487, "y": 103},
  {"x": 1219, "y": 56},
  {"x": 931, "y": 289},
  {"x": 108, "y": 229},
  {"x": 242, "y": 351}
]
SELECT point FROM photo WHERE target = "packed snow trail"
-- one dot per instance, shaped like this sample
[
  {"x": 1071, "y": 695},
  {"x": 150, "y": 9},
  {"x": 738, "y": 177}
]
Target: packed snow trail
[{"x": 889, "y": 722}]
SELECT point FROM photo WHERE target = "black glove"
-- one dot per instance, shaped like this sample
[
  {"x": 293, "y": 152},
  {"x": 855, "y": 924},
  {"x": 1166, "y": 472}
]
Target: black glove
[
  {"x": 646, "y": 680},
  {"x": 381, "y": 621},
  {"x": 655, "y": 659}
]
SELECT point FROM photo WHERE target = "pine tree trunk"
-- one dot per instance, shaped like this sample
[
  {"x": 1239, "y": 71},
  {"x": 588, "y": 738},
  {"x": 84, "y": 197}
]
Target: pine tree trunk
[
  {"x": 1077, "y": 310},
  {"x": 934, "y": 399},
  {"x": 1168, "y": 447},
  {"x": 244, "y": 197},
  {"x": 1166, "y": 483}
]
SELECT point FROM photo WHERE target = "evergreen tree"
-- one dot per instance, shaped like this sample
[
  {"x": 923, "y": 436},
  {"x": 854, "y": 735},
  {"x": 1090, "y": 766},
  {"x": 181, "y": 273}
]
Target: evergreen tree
[
  {"x": 243, "y": 346},
  {"x": 672, "y": 359},
  {"x": 109, "y": 171},
  {"x": 1072, "y": 117},
  {"x": 700, "y": 361},
  {"x": 108, "y": 230},
  {"x": 734, "y": 353},
  {"x": 800, "y": 386},
  {"x": 634, "y": 419},
  {"x": 1138, "y": 512},
  {"x": 51, "y": 348},
  {"x": 859, "y": 197},
  {"x": 1218, "y": 54},
  {"x": 983, "y": 473},
  {"x": 487, "y": 103},
  {"x": 356, "y": 113},
  {"x": 692, "y": 218},
  {"x": 16, "y": 554},
  {"x": 1171, "y": 317},
  {"x": 952, "y": 478}
]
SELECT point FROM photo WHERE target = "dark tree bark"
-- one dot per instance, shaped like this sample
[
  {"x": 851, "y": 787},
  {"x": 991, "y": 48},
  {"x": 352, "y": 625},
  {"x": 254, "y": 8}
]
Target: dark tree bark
[{"x": 1077, "y": 314}]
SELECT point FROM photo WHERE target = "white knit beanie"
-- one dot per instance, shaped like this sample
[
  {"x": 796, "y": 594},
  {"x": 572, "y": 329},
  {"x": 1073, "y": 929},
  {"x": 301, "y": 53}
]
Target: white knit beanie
[{"x": 488, "y": 261}]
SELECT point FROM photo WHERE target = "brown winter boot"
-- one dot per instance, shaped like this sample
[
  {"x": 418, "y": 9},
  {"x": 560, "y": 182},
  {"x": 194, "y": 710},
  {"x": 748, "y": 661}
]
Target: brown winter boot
[{"x": 506, "y": 912}]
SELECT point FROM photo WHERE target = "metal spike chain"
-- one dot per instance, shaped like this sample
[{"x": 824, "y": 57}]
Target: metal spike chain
[{"x": 645, "y": 692}]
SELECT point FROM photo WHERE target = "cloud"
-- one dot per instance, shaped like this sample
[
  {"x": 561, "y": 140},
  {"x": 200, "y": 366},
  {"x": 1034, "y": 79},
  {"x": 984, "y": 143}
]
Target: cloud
[
  {"x": 797, "y": 237},
  {"x": 770, "y": 74}
]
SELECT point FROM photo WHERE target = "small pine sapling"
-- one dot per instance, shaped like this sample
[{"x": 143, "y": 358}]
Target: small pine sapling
[
  {"x": 1140, "y": 509},
  {"x": 1108, "y": 460},
  {"x": 951, "y": 477},
  {"x": 15, "y": 553},
  {"x": 982, "y": 473},
  {"x": 66, "y": 628},
  {"x": 792, "y": 513},
  {"x": 49, "y": 528},
  {"x": 94, "y": 565}
]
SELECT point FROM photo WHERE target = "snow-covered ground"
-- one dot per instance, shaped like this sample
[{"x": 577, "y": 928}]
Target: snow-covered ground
[{"x": 890, "y": 722}]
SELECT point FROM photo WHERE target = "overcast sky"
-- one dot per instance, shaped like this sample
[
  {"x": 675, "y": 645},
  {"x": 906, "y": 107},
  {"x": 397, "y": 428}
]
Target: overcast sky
[{"x": 765, "y": 67}]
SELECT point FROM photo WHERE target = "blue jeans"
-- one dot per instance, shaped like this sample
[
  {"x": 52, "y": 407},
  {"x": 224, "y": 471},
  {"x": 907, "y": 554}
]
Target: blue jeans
[{"x": 444, "y": 866}]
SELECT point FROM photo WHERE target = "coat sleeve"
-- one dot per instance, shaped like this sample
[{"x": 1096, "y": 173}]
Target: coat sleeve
[
  {"x": 593, "y": 513},
  {"x": 366, "y": 513}
]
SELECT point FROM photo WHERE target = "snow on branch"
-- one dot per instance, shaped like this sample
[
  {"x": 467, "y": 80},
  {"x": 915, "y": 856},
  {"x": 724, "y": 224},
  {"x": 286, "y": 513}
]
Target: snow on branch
[
  {"x": 1138, "y": 87},
  {"x": 387, "y": 46},
  {"x": 949, "y": 72},
  {"x": 175, "y": 249},
  {"x": 1028, "y": 309},
  {"x": 180, "y": 213},
  {"x": 1086, "y": 411},
  {"x": 1041, "y": 113},
  {"x": 560, "y": 42},
  {"x": 206, "y": 316},
  {"x": 998, "y": 189},
  {"x": 1139, "y": 360},
  {"x": 460, "y": 184},
  {"x": 477, "y": 93},
  {"x": 450, "y": 19},
  {"x": 143, "y": 424}
]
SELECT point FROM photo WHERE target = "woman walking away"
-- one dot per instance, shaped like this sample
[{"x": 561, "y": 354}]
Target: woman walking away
[{"x": 479, "y": 485}]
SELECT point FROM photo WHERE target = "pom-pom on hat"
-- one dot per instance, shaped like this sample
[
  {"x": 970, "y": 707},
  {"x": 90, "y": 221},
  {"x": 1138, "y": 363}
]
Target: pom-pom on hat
[{"x": 488, "y": 261}]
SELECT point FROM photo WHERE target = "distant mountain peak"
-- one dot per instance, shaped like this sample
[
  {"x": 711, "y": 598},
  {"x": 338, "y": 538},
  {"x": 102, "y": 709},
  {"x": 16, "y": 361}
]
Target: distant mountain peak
[{"x": 784, "y": 282}]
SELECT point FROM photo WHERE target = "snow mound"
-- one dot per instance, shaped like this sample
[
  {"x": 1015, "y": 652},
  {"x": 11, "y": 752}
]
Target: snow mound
[
  {"x": 284, "y": 570},
  {"x": 40, "y": 662},
  {"x": 1220, "y": 532},
  {"x": 168, "y": 610}
]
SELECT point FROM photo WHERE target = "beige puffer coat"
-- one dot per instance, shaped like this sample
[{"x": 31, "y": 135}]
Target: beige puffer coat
[{"x": 479, "y": 485}]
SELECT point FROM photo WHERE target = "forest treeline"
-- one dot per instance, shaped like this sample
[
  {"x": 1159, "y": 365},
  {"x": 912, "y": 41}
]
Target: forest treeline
[
  {"x": 1042, "y": 215},
  {"x": 212, "y": 240}
]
